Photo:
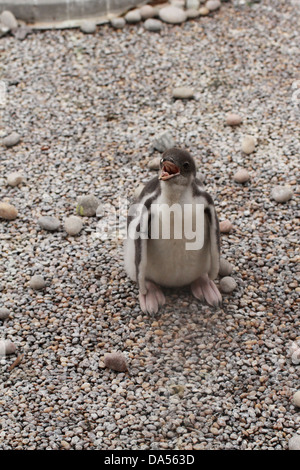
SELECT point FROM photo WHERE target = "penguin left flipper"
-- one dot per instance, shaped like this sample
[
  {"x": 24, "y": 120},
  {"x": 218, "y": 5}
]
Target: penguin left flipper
[
  {"x": 152, "y": 300},
  {"x": 204, "y": 288}
]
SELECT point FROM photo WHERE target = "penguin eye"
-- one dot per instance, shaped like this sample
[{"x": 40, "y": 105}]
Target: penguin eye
[{"x": 186, "y": 165}]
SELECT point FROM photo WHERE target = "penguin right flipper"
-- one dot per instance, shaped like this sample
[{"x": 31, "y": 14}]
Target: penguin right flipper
[{"x": 138, "y": 233}]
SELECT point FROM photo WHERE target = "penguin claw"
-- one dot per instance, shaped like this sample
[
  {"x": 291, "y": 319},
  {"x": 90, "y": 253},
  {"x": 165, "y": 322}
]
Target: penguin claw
[
  {"x": 152, "y": 300},
  {"x": 205, "y": 289}
]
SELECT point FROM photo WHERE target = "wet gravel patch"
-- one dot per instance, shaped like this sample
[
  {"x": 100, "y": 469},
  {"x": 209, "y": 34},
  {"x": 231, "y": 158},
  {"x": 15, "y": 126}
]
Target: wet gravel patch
[{"x": 87, "y": 109}]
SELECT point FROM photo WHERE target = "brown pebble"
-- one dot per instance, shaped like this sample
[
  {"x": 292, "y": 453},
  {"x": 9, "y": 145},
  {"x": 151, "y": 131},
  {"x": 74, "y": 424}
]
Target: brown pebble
[
  {"x": 226, "y": 226},
  {"x": 8, "y": 211},
  {"x": 233, "y": 119},
  {"x": 116, "y": 361}
]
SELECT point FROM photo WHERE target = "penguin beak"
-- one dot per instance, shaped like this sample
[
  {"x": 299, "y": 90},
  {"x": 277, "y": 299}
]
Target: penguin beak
[{"x": 168, "y": 171}]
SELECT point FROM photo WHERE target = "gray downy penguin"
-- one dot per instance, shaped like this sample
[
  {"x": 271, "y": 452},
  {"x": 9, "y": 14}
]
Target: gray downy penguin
[{"x": 172, "y": 210}]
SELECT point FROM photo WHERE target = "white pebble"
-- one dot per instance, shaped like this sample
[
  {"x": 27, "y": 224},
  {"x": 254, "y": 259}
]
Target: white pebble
[
  {"x": 15, "y": 178},
  {"x": 49, "y": 223},
  {"x": 11, "y": 139},
  {"x": 281, "y": 193},
  {"x": 183, "y": 92},
  {"x": 248, "y": 144},
  {"x": 172, "y": 14},
  {"x": 241, "y": 176},
  {"x": 73, "y": 225},
  {"x": 118, "y": 23},
  {"x": 213, "y": 5},
  {"x": 133, "y": 16},
  {"x": 7, "y": 347},
  {"x": 147, "y": 11},
  {"x": 151, "y": 24},
  {"x": 88, "y": 26},
  {"x": 294, "y": 442},
  {"x": 296, "y": 398}
]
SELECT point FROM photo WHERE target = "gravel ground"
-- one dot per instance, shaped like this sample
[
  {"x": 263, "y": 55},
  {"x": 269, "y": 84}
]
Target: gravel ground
[{"x": 87, "y": 108}]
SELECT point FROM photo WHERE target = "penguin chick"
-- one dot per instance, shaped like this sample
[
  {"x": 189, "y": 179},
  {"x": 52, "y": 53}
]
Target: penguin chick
[{"x": 173, "y": 235}]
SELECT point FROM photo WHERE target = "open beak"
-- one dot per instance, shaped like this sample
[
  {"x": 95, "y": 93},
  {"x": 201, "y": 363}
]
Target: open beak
[{"x": 168, "y": 171}]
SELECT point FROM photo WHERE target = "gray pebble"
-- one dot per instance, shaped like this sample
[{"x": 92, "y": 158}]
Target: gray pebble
[
  {"x": 164, "y": 141},
  {"x": 37, "y": 282},
  {"x": 49, "y": 223},
  {"x": 227, "y": 284},
  {"x": 11, "y": 139},
  {"x": 88, "y": 26},
  {"x": 154, "y": 163},
  {"x": 73, "y": 225},
  {"x": 281, "y": 193},
  {"x": 294, "y": 442},
  {"x": 118, "y": 23},
  {"x": 133, "y": 16},
  {"x": 173, "y": 15},
  {"x": 8, "y": 19},
  {"x": 4, "y": 313},
  {"x": 87, "y": 205},
  {"x": 152, "y": 24},
  {"x": 226, "y": 268}
]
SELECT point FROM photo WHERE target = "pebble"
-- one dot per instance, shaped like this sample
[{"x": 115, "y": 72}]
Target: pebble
[
  {"x": 116, "y": 361},
  {"x": 233, "y": 119},
  {"x": 213, "y": 5},
  {"x": 7, "y": 347},
  {"x": 49, "y": 223},
  {"x": 4, "y": 313},
  {"x": 281, "y": 193},
  {"x": 8, "y": 211},
  {"x": 296, "y": 398},
  {"x": 73, "y": 225},
  {"x": 3, "y": 30},
  {"x": 241, "y": 176},
  {"x": 183, "y": 92},
  {"x": 154, "y": 163},
  {"x": 37, "y": 282},
  {"x": 225, "y": 268},
  {"x": 227, "y": 284},
  {"x": 147, "y": 11},
  {"x": 8, "y": 19},
  {"x": 151, "y": 24},
  {"x": 133, "y": 16},
  {"x": 203, "y": 11},
  {"x": 192, "y": 13},
  {"x": 118, "y": 23},
  {"x": 248, "y": 144},
  {"x": 11, "y": 139},
  {"x": 15, "y": 178},
  {"x": 294, "y": 442},
  {"x": 22, "y": 32},
  {"x": 173, "y": 15},
  {"x": 226, "y": 226},
  {"x": 88, "y": 26},
  {"x": 87, "y": 205},
  {"x": 193, "y": 4},
  {"x": 164, "y": 141}
]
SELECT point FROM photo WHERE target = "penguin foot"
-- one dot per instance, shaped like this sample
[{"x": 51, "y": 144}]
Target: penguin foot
[
  {"x": 205, "y": 289},
  {"x": 152, "y": 300}
]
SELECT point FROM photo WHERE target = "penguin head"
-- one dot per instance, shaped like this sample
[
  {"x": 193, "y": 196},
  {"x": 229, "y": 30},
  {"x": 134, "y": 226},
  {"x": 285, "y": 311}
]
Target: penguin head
[{"x": 177, "y": 167}]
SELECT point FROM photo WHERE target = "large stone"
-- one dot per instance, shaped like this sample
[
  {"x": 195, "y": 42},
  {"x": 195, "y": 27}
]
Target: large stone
[
  {"x": 73, "y": 225},
  {"x": 133, "y": 16},
  {"x": 87, "y": 205},
  {"x": 172, "y": 14},
  {"x": 281, "y": 193},
  {"x": 11, "y": 139},
  {"x": 151, "y": 24},
  {"x": 8, "y": 19},
  {"x": 118, "y": 23},
  {"x": 49, "y": 223}
]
